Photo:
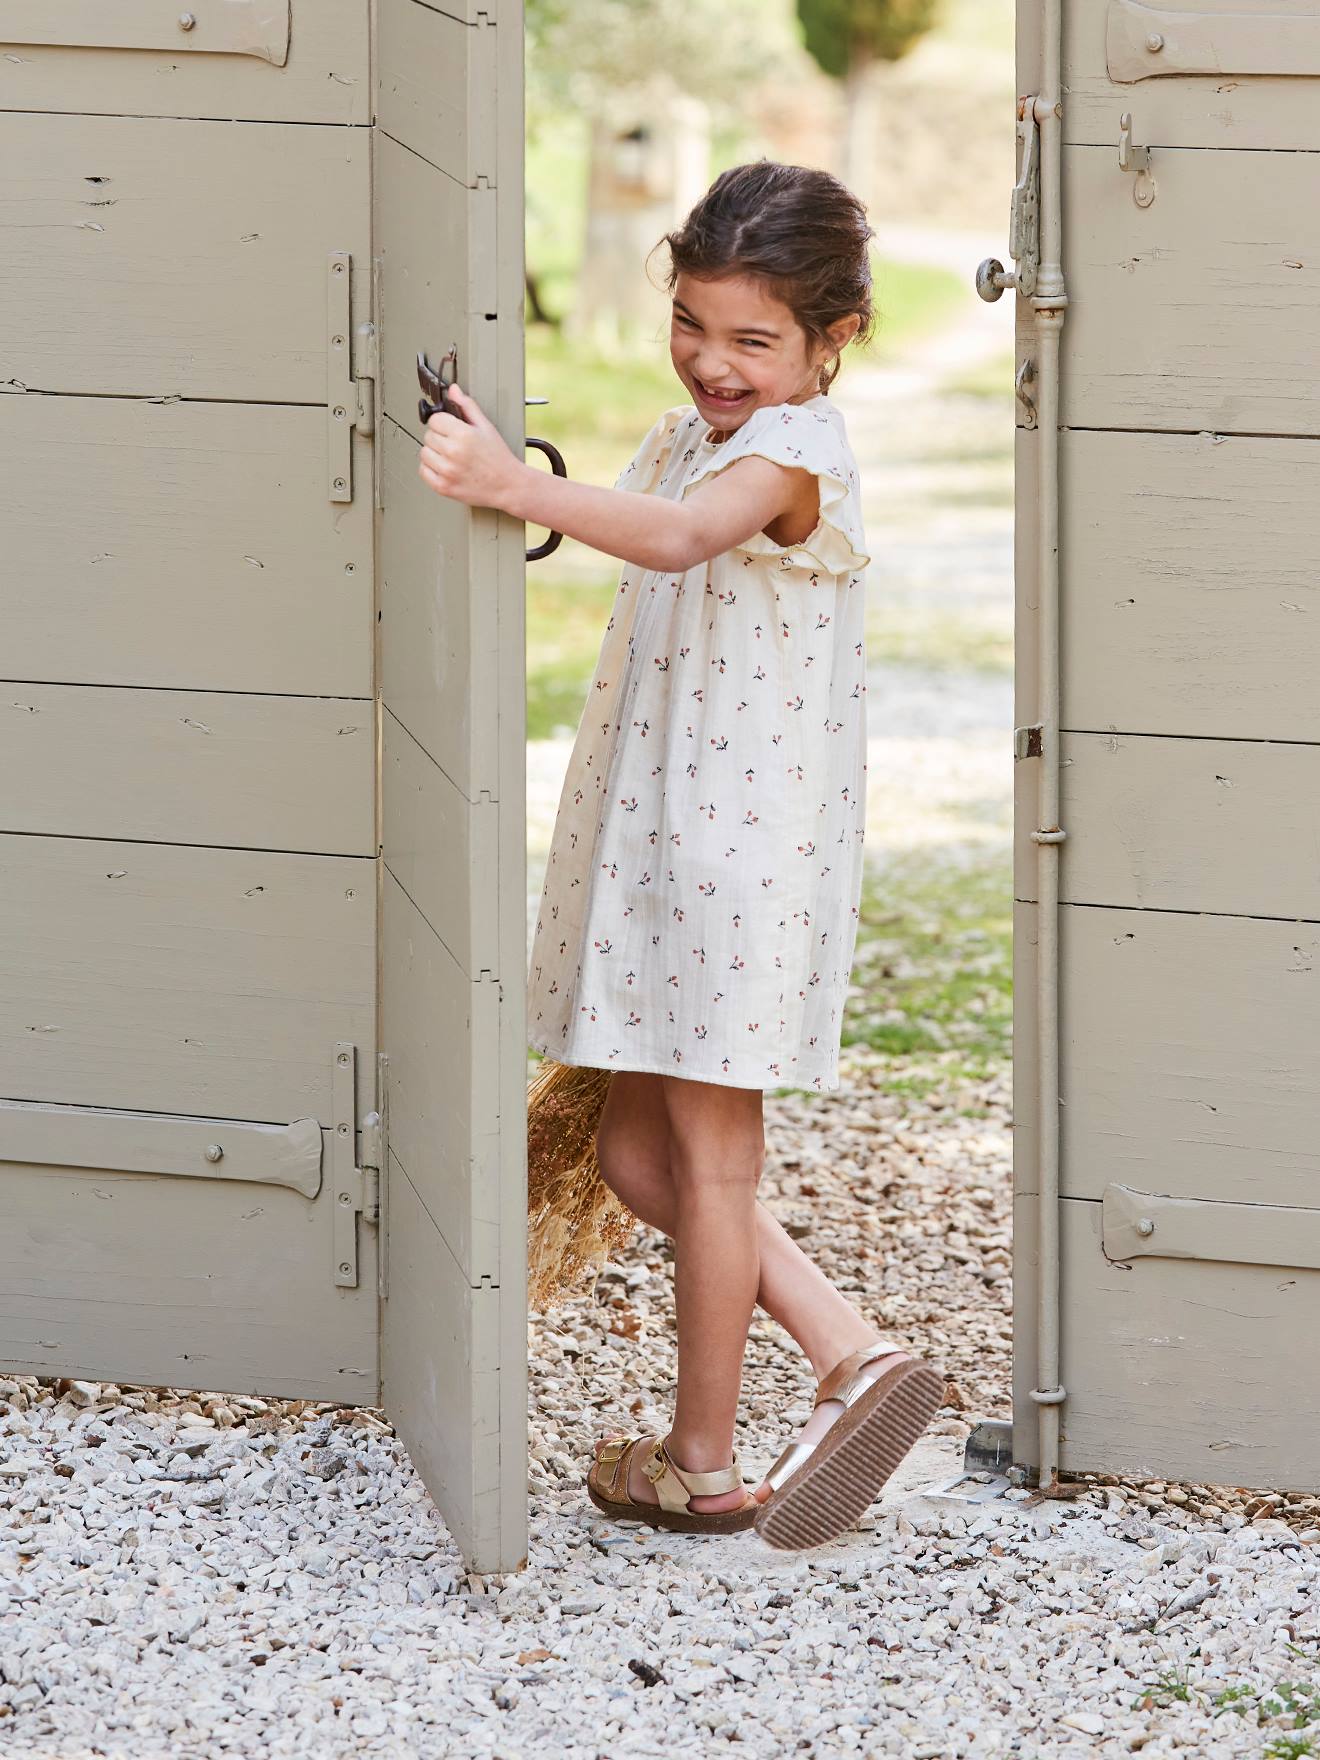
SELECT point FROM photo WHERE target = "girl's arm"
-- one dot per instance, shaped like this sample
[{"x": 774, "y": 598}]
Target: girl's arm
[{"x": 469, "y": 461}]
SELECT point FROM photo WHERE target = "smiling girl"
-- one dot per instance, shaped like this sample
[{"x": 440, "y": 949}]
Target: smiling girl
[{"x": 699, "y": 914}]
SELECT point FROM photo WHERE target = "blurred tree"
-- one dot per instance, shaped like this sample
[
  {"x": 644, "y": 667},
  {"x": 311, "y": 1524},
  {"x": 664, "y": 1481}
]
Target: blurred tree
[
  {"x": 851, "y": 40},
  {"x": 651, "y": 81}
]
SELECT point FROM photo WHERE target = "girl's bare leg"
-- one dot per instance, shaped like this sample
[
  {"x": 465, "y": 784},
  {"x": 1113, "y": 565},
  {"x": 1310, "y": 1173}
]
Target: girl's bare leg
[
  {"x": 634, "y": 1151},
  {"x": 712, "y": 1143}
]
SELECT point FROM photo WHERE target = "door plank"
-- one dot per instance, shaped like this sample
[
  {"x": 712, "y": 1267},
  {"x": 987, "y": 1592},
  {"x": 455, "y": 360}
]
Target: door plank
[
  {"x": 325, "y": 78},
  {"x": 1175, "y": 1369},
  {"x": 444, "y": 851},
  {"x": 206, "y": 277},
  {"x": 196, "y": 767},
  {"x": 444, "y": 1355},
  {"x": 165, "y": 979},
  {"x": 1230, "y": 826},
  {"x": 439, "y": 645},
  {"x": 1189, "y": 1060},
  {"x": 1226, "y": 110},
  {"x": 1180, "y": 614},
  {"x": 239, "y": 1297},
  {"x": 449, "y": 121},
  {"x": 1199, "y": 312},
  {"x": 200, "y": 551},
  {"x": 439, "y": 1027}
]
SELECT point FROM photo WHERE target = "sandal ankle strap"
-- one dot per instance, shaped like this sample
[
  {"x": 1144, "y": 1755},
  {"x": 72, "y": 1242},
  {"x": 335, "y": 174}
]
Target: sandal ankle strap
[
  {"x": 845, "y": 1380},
  {"x": 661, "y": 1466}
]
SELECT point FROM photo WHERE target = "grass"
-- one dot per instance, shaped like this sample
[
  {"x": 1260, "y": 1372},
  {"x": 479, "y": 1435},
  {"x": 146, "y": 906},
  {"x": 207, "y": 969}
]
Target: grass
[
  {"x": 932, "y": 980},
  {"x": 1287, "y": 1708},
  {"x": 566, "y": 617},
  {"x": 937, "y": 641},
  {"x": 992, "y": 378}
]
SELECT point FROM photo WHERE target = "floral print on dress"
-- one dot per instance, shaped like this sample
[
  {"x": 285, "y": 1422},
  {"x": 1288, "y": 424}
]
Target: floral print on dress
[{"x": 700, "y": 906}]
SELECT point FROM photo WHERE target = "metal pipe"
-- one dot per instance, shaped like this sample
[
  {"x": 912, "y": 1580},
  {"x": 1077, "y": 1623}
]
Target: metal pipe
[{"x": 1049, "y": 302}]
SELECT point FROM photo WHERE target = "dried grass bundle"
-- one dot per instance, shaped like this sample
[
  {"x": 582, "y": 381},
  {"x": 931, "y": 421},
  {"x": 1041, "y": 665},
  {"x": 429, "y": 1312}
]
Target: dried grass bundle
[{"x": 574, "y": 1221}]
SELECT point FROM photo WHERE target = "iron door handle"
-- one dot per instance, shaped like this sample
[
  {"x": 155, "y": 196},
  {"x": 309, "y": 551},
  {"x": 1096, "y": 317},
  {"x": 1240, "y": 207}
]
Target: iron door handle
[
  {"x": 435, "y": 383},
  {"x": 560, "y": 469}
]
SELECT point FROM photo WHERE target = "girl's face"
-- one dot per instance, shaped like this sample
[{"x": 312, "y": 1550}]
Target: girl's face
[{"x": 736, "y": 347}]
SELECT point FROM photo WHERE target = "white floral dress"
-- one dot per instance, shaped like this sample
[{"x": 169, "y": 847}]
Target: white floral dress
[{"x": 699, "y": 912}]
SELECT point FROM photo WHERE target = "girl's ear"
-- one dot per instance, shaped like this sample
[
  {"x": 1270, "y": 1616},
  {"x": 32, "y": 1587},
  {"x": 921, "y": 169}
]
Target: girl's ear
[{"x": 843, "y": 330}]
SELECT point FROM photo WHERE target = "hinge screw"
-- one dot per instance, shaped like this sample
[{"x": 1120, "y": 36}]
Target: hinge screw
[
  {"x": 347, "y": 1269},
  {"x": 187, "y": 20},
  {"x": 1145, "y": 1226},
  {"x": 214, "y": 1152},
  {"x": 344, "y": 1198},
  {"x": 1154, "y": 42}
]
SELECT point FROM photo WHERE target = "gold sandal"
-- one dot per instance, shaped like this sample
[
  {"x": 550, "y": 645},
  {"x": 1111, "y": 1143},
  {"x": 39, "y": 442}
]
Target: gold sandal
[
  {"x": 607, "y": 1487},
  {"x": 820, "y": 1489}
]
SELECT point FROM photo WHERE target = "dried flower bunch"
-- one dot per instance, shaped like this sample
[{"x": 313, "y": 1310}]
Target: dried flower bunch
[{"x": 574, "y": 1221}]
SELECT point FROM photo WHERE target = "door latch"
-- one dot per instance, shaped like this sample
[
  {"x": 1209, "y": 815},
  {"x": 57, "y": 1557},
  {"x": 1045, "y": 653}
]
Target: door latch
[
  {"x": 435, "y": 383},
  {"x": 1132, "y": 157},
  {"x": 1023, "y": 217}
]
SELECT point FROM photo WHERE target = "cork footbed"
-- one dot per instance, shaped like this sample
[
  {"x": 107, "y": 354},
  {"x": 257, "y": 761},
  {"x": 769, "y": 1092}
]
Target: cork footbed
[{"x": 844, "y": 1474}]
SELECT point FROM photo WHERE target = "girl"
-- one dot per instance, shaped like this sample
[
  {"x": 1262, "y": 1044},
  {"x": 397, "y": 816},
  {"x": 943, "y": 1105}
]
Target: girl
[{"x": 697, "y": 925}]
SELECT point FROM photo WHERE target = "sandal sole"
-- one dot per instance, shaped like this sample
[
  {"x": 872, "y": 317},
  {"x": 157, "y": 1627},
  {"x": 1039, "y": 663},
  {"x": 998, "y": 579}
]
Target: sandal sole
[
  {"x": 837, "y": 1484},
  {"x": 647, "y": 1515}
]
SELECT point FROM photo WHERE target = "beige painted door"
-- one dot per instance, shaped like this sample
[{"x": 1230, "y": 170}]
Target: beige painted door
[
  {"x": 261, "y": 797},
  {"x": 1189, "y": 631}
]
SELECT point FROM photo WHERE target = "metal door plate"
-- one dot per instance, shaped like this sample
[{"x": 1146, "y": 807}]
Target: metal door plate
[
  {"x": 156, "y": 1142},
  {"x": 1148, "y": 42},
  {"x": 1146, "y": 1225},
  {"x": 238, "y": 27}
]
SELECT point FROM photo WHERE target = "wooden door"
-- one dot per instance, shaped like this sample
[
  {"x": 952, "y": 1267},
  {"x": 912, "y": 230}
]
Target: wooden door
[
  {"x": 1189, "y": 647},
  {"x": 449, "y": 218},
  {"x": 263, "y": 715}
]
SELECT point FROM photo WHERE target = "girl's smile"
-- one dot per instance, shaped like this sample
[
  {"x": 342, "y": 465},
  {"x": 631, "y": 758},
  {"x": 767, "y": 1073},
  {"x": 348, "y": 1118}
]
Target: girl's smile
[{"x": 722, "y": 400}]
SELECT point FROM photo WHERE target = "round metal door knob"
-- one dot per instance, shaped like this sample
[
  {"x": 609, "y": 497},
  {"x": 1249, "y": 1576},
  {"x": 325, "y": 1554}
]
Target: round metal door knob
[{"x": 991, "y": 279}]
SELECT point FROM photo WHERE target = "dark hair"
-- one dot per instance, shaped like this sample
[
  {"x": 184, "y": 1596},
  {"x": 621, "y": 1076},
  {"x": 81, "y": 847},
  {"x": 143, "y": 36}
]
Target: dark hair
[{"x": 798, "y": 231}]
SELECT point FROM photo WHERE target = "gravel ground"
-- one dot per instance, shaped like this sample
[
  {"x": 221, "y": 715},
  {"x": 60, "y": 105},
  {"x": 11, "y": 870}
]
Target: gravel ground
[{"x": 226, "y": 1576}]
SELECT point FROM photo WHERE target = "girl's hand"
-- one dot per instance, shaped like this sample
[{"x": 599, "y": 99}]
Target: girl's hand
[{"x": 468, "y": 460}]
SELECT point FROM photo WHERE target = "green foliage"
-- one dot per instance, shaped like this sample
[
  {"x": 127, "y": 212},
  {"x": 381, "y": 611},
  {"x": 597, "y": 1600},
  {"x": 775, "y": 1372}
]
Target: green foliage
[
  {"x": 598, "y": 56},
  {"x": 1289, "y": 1706},
  {"x": 1164, "y": 1690},
  {"x": 990, "y": 378},
  {"x": 932, "y": 978},
  {"x": 839, "y": 32}
]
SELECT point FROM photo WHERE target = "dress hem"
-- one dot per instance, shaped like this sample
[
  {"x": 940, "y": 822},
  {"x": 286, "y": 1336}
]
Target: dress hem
[{"x": 719, "y": 1081}]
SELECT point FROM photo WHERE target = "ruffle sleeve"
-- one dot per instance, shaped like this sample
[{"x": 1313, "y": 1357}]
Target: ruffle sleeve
[
  {"x": 805, "y": 439},
  {"x": 640, "y": 474}
]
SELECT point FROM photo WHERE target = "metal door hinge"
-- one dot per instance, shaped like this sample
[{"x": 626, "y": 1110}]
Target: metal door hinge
[
  {"x": 1026, "y": 740},
  {"x": 356, "y": 1183},
  {"x": 352, "y": 369}
]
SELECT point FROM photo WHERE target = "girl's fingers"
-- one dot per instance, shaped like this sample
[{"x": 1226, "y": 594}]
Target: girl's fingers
[{"x": 478, "y": 416}]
